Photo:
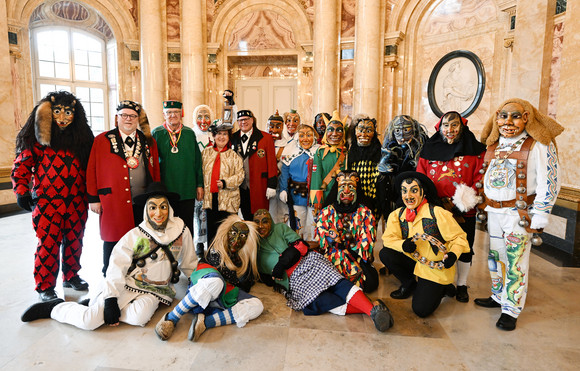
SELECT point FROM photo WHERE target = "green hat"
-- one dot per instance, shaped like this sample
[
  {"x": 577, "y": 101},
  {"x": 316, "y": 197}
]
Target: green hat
[{"x": 168, "y": 104}]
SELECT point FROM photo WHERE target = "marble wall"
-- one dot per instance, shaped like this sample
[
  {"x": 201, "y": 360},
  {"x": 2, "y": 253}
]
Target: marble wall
[
  {"x": 468, "y": 25},
  {"x": 347, "y": 18},
  {"x": 555, "y": 69},
  {"x": 262, "y": 30}
]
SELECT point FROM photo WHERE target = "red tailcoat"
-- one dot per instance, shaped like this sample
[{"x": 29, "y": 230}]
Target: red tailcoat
[
  {"x": 262, "y": 163},
  {"x": 108, "y": 182}
]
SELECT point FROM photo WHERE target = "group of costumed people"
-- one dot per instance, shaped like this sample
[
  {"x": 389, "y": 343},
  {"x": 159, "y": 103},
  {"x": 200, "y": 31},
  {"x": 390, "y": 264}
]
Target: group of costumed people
[{"x": 311, "y": 197}]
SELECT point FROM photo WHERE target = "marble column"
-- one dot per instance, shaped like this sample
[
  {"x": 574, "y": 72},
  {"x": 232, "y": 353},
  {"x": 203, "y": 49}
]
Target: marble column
[
  {"x": 325, "y": 69},
  {"x": 568, "y": 98},
  {"x": 367, "y": 58},
  {"x": 192, "y": 56},
  {"x": 152, "y": 60},
  {"x": 530, "y": 73},
  {"x": 7, "y": 124}
]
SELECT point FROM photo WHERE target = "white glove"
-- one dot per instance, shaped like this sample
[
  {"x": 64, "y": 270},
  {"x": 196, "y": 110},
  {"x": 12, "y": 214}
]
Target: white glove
[
  {"x": 270, "y": 192},
  {"x": 539, "y": 220},
  {"x": 283, "y": 196}
]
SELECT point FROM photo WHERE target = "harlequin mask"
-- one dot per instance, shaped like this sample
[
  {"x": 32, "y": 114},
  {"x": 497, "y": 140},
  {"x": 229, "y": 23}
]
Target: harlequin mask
[{"x": 347, "y": 182}]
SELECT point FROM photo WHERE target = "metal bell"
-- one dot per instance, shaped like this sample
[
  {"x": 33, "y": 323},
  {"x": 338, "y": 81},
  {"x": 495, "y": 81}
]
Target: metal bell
[
  {"x": 154, "y": 256},
  {"x": 481, "y": 216},
  {"x": 521, "y": 204},
  {"x": 174, "y": 265},
  {"x": 484, "y": 165},
  {"x": 521, "y": 189},
  {"x": 523, "y": 223},
  {"x": 521, "y": 176},
  {"x": 478, "y": 185},
  {"x": 141, "y": 263},
  {"x": 482, "y": 171},
  {"x": 536, "y": 240},
  {"x": 520, "y": 165}
]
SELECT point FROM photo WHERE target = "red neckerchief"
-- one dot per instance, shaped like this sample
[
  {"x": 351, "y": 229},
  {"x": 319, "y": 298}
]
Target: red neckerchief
[
  {"x": 410, "y": 214},
  {"x": 215, "y": 171}
]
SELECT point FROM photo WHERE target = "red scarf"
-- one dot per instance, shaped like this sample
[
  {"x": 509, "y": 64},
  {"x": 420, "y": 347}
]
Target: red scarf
[
  {"x": 215, "y": 171},
  {"x": 410, "y": 214}
]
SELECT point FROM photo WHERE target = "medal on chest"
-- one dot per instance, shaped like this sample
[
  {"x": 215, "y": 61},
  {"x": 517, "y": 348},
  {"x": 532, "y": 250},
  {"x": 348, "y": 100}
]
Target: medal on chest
[{"x": 132, "y": 162}]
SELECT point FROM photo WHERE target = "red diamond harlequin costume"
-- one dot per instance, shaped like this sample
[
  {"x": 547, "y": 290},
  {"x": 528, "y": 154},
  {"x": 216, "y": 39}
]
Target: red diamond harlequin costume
[{"x": 54, "y": 158}]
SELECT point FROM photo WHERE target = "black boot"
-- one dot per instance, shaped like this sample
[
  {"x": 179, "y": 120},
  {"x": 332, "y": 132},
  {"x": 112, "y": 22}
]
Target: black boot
[
  {"x": 381, "y": 316},
  {"x": 40, "y": 310},
  {"x": 462, "y": 295},
  {"x": 48, "y": 295},
  {"x": 76, "y": 283}
]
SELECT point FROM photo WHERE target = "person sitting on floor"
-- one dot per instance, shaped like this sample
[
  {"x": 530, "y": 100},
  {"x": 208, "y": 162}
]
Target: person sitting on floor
[
  {"x": 218, "y": 294},
  {"x": 144, "y": 265}
]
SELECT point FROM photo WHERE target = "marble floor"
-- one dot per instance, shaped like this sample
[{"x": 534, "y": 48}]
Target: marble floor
[{"x": 457, "y": 337}]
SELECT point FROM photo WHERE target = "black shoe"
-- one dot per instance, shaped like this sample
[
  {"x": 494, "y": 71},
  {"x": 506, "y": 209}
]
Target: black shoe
[
  {"x": 450, "y": 290},
  {"x": 48, "y": 295},
  {"x": 381, "y": 316},
  {"x": 77, "y": 283},
  {"x": 40, "y": 310},
  {"x": 506, "y": 322},
  {"x": 85, "y": 302},
  {"x": 487, "y": 302},
  {"x": 462, "y": 295},
  {"x": 404, "y": 292}
]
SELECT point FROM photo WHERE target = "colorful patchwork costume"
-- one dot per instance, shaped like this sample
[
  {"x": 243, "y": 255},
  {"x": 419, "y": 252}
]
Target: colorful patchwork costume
[{"x": 52, "y": 152}]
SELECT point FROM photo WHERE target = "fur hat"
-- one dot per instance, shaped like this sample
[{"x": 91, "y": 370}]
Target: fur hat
[
  {"x": 143, "y": 120},
  {"x": 541, "y": 127}
]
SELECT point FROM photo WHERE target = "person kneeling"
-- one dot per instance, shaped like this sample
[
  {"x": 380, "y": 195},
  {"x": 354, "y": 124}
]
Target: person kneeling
[
  {"x": 218, "y": 293},
  {"x": 422, "y": 240},
  {"x": 143, "y": 268}
]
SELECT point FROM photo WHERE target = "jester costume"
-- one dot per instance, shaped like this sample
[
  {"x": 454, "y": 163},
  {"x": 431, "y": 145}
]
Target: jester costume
[
  {"x": 353, "y": 260},
  {"x": 52, "y": 151},
  {"x": 329, "y": 159},
  {"x": 364, "y": 158}
]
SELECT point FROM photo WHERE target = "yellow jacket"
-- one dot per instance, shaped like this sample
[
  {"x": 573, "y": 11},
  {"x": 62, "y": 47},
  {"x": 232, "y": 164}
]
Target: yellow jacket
[{"x": 451, "y": 232}]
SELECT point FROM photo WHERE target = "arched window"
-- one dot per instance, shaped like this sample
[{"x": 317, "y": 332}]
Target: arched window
[{"x": 66, "y": 58}]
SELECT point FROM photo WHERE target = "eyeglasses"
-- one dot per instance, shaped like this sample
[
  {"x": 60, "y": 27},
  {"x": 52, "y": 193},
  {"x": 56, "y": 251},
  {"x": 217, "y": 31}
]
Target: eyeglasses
[
  {"x": 173, "y": 113},
  {"x": 126, "y": 116}
]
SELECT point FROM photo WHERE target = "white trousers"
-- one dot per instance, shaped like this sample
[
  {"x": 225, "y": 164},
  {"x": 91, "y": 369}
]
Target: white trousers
[
  {"x": 136, "y": 309},
  {"x": 508, "y": 261}
]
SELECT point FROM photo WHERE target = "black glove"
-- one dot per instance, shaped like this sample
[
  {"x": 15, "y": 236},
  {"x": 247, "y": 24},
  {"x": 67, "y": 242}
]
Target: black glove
[
  {"x": 112, "y": 311},
  {"x": 25, "y": 201},
  {"x": 409, "y": 245},
  {"x": 450, "y": 260},
  {"x": 288, "y": 258}
]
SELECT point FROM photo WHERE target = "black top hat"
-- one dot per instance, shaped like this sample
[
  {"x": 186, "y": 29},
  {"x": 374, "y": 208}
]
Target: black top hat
[
  {"x": 428, "y": 186},
  {"x": 156, "y": 189},
  {"x": 245, "y": 113}
]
